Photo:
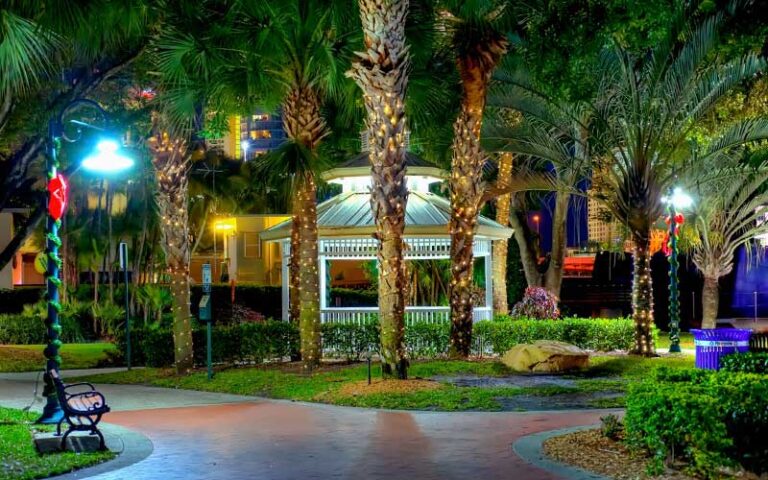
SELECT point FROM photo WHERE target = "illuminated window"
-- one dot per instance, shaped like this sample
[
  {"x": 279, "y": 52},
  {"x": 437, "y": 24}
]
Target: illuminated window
[
  {"x": 254, "y": 135},
  {"x": 252, "y": 242}
]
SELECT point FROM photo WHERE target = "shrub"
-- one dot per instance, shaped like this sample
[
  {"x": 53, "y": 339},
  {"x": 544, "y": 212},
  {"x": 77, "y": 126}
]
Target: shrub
[
  {"x": 28, "y": 327},
  {"x": 250, "y": 342},
  {"x": 611, "y": 427},
  {"x": 750, "y": 362},
  {"x": 537, "y": 303},
  {"x": 13, "y": 300},
  {"x": 591, "y": 333},
  {"x": 264, "y": 299},
  {"x": 710, "y": 419},
  {"x": 350, "y": 341},
  {"x": 348, "y": 297}
]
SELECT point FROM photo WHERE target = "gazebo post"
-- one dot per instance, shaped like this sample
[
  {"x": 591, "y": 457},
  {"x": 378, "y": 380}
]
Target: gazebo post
[
  {"x": 322, "y": 263},
  {"x": 489, "y": 283},
  {"x": 284, "y": 260}
]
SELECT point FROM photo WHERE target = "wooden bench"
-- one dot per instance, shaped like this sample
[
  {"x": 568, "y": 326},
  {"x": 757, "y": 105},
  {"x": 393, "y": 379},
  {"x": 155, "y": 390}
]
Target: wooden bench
[
  {"x": 758, "y": 342},
  {"x": 82, "y": 410}
]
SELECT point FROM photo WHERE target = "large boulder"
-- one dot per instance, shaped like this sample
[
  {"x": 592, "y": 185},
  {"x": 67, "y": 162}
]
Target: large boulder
[{"x": 546, "y": 356}]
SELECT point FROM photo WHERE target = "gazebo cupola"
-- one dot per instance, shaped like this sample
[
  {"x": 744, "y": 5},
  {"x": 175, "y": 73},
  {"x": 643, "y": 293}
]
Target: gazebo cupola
[{"x": 346, "y": 226}]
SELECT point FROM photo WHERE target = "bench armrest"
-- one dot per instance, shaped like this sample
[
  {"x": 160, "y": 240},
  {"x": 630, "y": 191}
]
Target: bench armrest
[
  {"x": 87, "y": 402},
  {"x": 79, "y": 385}
]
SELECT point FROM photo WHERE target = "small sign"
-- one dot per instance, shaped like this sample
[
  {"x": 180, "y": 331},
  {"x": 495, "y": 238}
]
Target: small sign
[
  {"x": 205, "y": 301},
  {"x": 123, "y": 255},
  {"x": 205, "y": 308}
]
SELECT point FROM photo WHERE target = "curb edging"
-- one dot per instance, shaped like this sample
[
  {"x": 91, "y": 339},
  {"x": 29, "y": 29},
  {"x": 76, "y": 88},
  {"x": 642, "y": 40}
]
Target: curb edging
[
  {"x": 131, "y": 447},
  {"x": 529, "y": 448}
]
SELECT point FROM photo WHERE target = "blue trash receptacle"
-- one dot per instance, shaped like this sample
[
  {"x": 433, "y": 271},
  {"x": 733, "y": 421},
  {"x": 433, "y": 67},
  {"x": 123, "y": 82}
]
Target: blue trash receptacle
[{"x": 713, "y": 344}]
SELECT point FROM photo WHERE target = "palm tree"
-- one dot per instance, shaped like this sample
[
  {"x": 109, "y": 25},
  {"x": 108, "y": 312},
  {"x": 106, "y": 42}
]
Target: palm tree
[
  {"x": 303, "y": 51},
  {"x": 171, "y": 163},
  {"x": 500, "y": 247},
  {"x": 545, "y": 134},
  {"x": 648, "y": 110},
  {"x": 730, "y": 214},
  {"x": 381, "y": 72},
  {"x": 477, "y": 36}
]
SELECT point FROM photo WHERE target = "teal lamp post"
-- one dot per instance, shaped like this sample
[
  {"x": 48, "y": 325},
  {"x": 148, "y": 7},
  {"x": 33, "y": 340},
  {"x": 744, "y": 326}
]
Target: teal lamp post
[
  {"x": 106, "y": 159},
  {"x": 676, "y": 201}
]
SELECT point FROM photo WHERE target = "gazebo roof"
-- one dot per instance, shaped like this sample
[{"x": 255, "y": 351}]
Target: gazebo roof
[
  {"x": 360, "y": 166},
  {"x": 350, "y": 215}
]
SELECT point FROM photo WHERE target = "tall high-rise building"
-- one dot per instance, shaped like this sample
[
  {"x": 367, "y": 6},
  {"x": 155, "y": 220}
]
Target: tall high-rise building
[
  {"x": 251, "y": 135},
  {"x": 599, "y": 230}
]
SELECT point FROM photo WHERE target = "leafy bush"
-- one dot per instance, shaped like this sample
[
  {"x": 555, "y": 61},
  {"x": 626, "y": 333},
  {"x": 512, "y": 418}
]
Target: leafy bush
[
  {"x": 502, "y": 333},
  {"x": 264, "y": 299},
  {"x": 28, "y": 327},
  {"x": 749, "y": 362},
  {"x": 13, "y": 300},
  {"x": 611, "y": 427},
  {"x": 108, "y": 316},
  {"x": 250, "y": 342},
  {"x": 349, "y": 297},
  {"x": 710, "y": 419},
  {"x": 350, "y": 341},
  {"x": 537, "y": 303}
]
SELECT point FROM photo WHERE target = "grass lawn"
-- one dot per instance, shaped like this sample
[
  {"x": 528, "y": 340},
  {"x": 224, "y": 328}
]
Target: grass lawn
[
  {"x": 20, "y": 461},
  {"x": 686, "y": 341},
  {"x": 25, "y": 358},
  {"x": 336, "y": 384}
]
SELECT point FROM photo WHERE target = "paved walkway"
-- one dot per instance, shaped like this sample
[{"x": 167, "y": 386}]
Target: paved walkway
[{"x": 261, "y": 439}]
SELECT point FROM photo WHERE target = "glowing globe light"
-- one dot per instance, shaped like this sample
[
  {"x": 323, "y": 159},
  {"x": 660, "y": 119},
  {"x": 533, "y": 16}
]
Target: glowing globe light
[
  {"x": 679, "y": 199},
  {"x": 106, "y": 159}
]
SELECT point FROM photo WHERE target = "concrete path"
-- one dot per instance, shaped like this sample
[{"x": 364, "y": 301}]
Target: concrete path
[
  {"x": 17, "y": 391},
  {"x": 276, "y": 440}
]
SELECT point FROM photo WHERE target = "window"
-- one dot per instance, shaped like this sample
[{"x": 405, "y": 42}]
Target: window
[{"x": 252, "y": 242}]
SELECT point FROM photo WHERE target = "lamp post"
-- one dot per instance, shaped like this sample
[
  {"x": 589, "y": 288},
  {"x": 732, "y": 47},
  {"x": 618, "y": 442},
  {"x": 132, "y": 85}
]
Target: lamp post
[
  {"x": 244, "y": 145},
  {"x": 106, "y": 159},
  {"x": 676, "y": 201},
  {"x": 536, "y": 220}
]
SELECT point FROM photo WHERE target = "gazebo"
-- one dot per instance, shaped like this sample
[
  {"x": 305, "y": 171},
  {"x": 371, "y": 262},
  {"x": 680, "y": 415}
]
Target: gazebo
[{"x": 346, "y": 224}]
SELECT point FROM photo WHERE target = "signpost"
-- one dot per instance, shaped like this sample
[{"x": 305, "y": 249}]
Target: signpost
[
  {"x": 124, "y": 267},
  {"x": 205, "y": 314}
]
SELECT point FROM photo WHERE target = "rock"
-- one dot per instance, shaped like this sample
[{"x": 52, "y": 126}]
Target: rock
[
  {"x": 76, "y": 442},
  {"x": 546, "y": 356}
]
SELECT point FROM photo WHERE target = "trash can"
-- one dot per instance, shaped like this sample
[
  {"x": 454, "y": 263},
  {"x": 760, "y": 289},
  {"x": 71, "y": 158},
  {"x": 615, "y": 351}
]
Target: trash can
[{"x": 718, "y": 342}]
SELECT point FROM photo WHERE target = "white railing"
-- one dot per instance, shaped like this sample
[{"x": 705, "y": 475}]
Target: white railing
[{"x": 361, "y": 315}]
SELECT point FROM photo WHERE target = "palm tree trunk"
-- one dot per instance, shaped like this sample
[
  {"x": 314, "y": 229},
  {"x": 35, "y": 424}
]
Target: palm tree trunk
[
  {"x": 381, "y": 71},
  {"x": 467, "y": 186},
  {"x": 554, "y": 275},
  {"x": 524, "y": 237},
  {"x": 304, "y": 124},
  {"x": 642, "y": 295},
  {"x": 710, "y": 302},
  {"x": 309, "y": 287},
  {"x": 171, "y": 165},
  {"x": 294, "y": 268},
  {"x": 500, "y": 247}
]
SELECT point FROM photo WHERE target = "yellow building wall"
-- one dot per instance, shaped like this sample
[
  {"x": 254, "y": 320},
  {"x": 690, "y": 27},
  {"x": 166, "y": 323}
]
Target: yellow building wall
[{"x": 255, "y": 260}]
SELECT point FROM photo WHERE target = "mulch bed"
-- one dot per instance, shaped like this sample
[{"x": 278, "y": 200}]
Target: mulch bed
[
  {"x": 353, "y": 389},
  {"x": 592, "y": 451}
]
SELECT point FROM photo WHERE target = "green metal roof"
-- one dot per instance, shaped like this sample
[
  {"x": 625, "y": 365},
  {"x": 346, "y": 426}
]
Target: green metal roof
[{"x": 350, "y": 214}]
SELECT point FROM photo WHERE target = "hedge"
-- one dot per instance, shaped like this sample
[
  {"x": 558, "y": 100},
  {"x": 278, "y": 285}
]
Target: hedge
[
  {"x": 256, "y": 342},
  {"x": 20, "y": 329},
  {"x": 599, "y": 334},
  {"x": 12, "y": 300},
  {"x": 709, "y": 419},
  {"x": 264, "y": 299},
  {"x": 750, "y": 362}
]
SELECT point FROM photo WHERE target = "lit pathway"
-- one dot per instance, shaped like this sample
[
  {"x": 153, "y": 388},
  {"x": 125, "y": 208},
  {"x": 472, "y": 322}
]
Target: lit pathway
[{"x": 260, "y": 439}]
